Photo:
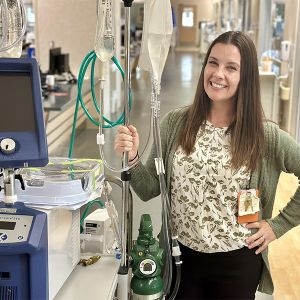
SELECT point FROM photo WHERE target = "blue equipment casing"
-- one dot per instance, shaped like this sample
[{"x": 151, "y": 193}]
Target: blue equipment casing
[
  {"x": 23, "y": 231},
  {"x": 23, "y": 263},
  {"x": 22, "y": 118}
]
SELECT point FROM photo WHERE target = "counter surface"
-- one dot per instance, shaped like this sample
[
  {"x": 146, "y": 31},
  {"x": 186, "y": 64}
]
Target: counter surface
[
  {"x": 63, "y": 95},
  {"x": 97, "y": 281}
]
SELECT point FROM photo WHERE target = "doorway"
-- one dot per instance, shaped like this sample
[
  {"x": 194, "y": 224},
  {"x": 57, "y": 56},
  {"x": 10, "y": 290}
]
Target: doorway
[{"x": 188, "y": 26}]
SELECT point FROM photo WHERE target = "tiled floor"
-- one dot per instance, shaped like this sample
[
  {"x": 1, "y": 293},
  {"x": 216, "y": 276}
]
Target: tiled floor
[{"x": 178, "y": 86}]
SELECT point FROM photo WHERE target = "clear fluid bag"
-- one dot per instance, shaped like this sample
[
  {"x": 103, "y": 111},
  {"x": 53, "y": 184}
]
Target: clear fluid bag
[
  {"x": 105, "y": 40},
  {"x": 11, "y": 28},
  {"x": 157, "y": 33}
]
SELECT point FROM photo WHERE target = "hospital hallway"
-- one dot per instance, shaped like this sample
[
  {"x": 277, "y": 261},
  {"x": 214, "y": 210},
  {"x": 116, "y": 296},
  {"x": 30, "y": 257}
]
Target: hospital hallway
[{"x": 178, "y": 87}]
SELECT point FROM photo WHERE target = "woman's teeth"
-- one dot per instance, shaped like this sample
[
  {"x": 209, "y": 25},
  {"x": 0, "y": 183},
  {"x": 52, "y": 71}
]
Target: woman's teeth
[{"x": 217, "y": 85}]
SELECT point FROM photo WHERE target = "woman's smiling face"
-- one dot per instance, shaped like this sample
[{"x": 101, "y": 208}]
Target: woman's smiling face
[{"x": 222, "y": 72}]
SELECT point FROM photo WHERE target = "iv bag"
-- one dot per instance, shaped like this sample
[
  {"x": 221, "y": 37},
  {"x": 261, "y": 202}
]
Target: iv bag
[
  {"x": 157, "y": 33},
  {"x": 104, "y": 40},
  {"x": 11, "y": 28}
]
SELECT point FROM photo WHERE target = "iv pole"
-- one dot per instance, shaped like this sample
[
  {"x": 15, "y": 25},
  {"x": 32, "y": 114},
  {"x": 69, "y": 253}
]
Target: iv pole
[{"x": 123, "y": 277}]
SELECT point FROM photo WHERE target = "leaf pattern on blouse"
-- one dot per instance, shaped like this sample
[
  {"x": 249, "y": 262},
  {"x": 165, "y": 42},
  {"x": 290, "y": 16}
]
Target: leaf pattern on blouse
[{"x": 204, "y": 192}]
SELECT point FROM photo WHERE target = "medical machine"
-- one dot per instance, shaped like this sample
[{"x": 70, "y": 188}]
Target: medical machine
[
  {"x": 23, "y": 230},
  {"x": 23, "y": 142},
  {"x": 99, "y": 234},
  {"x": 59, "y": 190},
  {"x": 39, "y": 248}
]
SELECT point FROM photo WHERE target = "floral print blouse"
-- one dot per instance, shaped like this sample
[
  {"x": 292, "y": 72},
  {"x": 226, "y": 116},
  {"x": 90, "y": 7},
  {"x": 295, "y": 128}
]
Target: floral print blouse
[{"x": 204, "y": 192}]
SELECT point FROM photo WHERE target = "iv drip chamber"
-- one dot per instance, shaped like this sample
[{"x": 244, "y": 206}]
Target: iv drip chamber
[{"x": 104, "y": 41}]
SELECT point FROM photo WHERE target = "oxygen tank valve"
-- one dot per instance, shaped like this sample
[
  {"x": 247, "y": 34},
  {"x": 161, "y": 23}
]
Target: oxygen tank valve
[{"x": 147, "y": 261}]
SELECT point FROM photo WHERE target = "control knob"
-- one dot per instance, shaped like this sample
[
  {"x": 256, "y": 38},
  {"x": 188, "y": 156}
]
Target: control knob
[{"x": 8, "y": 146}]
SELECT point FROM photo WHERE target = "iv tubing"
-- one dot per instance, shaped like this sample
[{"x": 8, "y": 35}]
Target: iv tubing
[
  {"x": 2, "y": 49},
  {"x": 139, "y": 157},
  {"x": 4, "y": 14},
  {"x": 101, "y": 132},
  {"x": 116, "y": 180},
  {"x": 91, "y": 58},
  {"x": 166, "y": 226},
  {"x": 165, "y": 210}
]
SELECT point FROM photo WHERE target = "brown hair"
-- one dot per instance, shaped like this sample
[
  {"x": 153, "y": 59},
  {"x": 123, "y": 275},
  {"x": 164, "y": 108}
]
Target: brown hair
[{"x": 246, "y": 128}]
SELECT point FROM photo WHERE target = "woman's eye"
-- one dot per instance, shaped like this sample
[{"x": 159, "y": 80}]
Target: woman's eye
[
  {"x": 231, "y": 68},
  {"x": 212, "y": 62}
]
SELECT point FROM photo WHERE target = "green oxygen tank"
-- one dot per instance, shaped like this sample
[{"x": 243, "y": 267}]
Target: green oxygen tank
[{"x": 147, "y": 262}]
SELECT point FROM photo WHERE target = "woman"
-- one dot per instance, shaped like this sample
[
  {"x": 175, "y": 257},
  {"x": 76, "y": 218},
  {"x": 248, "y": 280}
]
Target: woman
[{"x": 217, "y": 153}]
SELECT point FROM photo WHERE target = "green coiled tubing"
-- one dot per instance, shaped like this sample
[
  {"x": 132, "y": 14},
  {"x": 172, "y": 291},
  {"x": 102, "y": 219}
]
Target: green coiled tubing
[{"x": 91, "y": 58}]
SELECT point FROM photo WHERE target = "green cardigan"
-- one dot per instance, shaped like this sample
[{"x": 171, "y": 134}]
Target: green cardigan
[{"x": 282, "y": 154}]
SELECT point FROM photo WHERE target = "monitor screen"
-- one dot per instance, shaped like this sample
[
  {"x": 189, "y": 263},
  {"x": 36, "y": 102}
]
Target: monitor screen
[
  {"x": 53, "y": 57},
  {"x": 7, "y": 225},
  {"x": 16, "y": 98}
]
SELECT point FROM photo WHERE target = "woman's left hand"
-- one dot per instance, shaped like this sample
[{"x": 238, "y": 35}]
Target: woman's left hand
[{"x": 262, "y": 238}]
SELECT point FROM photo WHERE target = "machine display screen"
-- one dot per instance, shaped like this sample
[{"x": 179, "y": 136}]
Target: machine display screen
[
  {"x": 16, "y": 98},
  {"x": 7, "y": 225}
]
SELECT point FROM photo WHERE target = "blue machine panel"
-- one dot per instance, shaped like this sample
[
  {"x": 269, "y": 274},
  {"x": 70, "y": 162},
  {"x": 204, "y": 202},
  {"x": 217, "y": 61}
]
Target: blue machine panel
[
  {"x": 23, "y": 231},
  {"x": 23, "y": 264},
  {"x": 22, "y": 131}
]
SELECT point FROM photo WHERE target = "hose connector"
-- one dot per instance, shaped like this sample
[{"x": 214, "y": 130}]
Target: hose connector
[
  {"x": 100, "y": 139},
  {"x": 159, "y": 165},
  {"x": 176, "y": 250}
]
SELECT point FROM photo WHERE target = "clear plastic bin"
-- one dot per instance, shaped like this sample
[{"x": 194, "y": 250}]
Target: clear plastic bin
[{"x": 62, "y": 182}]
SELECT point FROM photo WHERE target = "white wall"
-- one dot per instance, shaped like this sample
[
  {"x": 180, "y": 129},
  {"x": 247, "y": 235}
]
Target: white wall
[{"x": 70, "y": 24}]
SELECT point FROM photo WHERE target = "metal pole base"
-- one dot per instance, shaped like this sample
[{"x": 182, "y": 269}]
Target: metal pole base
[
  {"x": 123, "y": 285},
  {"x": 157, "y": 296}
]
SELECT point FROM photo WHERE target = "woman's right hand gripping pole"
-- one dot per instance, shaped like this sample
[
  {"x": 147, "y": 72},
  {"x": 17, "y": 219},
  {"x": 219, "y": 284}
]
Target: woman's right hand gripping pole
[{"x": 127, "y": 139}]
